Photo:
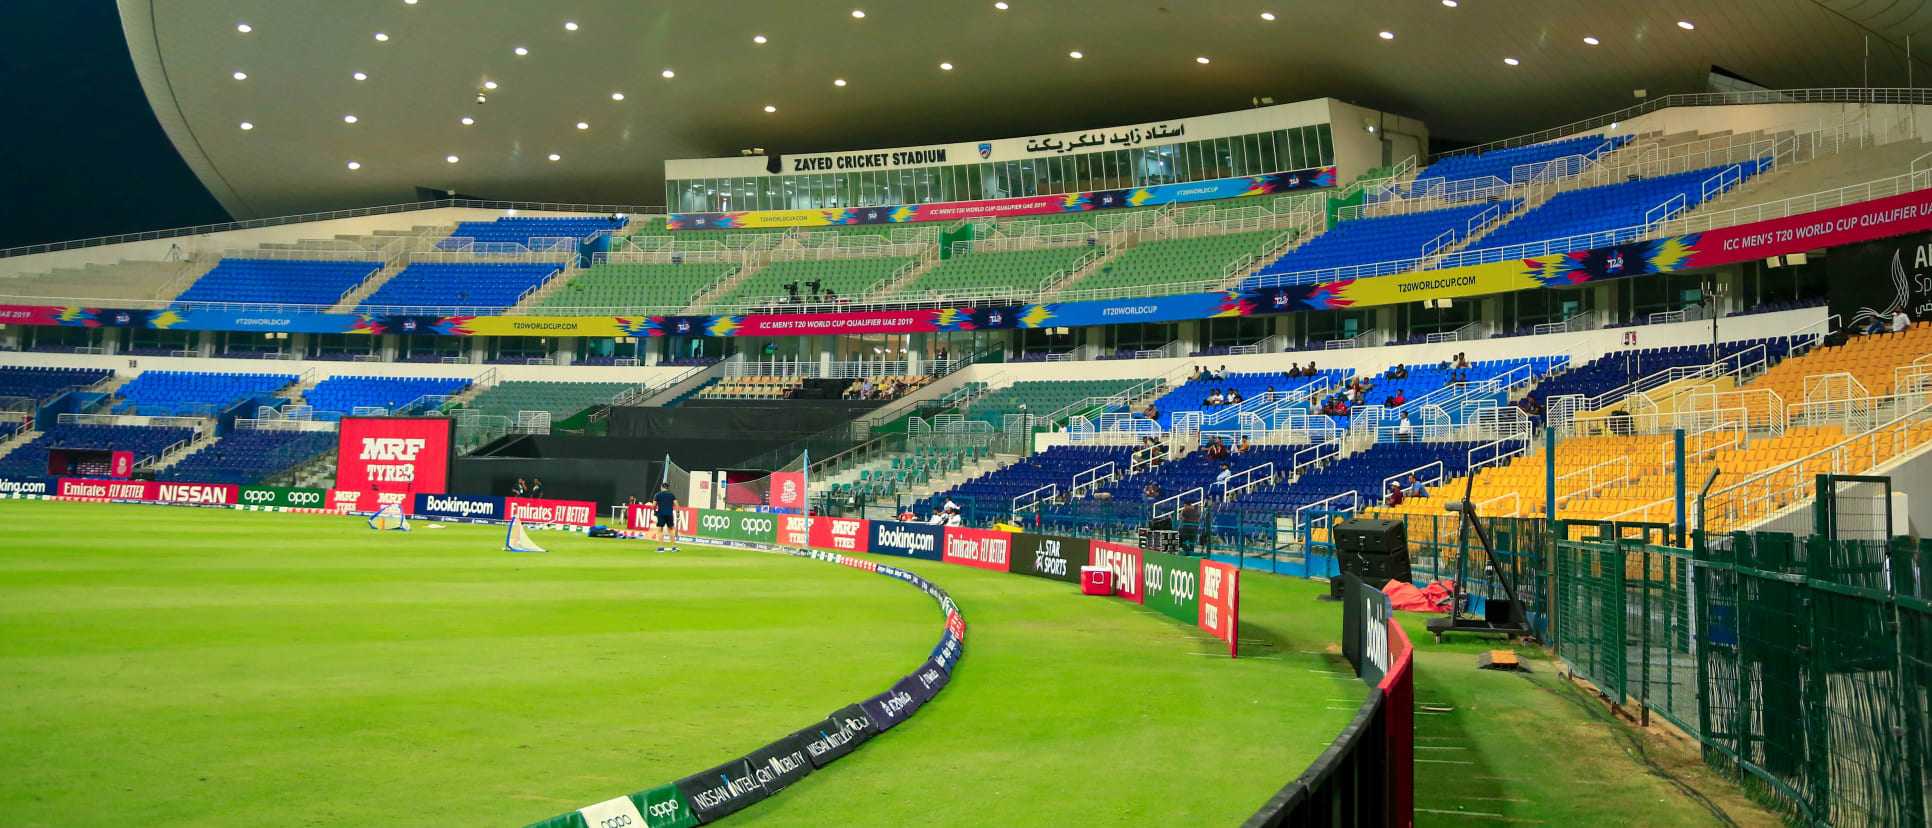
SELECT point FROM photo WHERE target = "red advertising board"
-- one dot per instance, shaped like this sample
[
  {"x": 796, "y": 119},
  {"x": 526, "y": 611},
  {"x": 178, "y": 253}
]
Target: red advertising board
[
  {"x": 1124, "y": 561},
  {"x": 640, "y": 517},
  {"x": 403, "y": 454},
  {"x": 839, "y": 534},
  {"x": 1221, "y": 602},
  {"x": 123, "y": 465},
  {"x": 352, "y": 500},
  {"x": 981, "y": 548},
  {"x": 210, "y": 494},
  {"x": 788, "y": 490},
  {"x": 532, "y": 510},
  {"x": 794, "y": 530}
]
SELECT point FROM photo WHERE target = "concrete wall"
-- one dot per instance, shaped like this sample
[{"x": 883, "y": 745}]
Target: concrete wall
[
  {"x": 1772, "y": 117},
  {"x": 128, "y": 366}
]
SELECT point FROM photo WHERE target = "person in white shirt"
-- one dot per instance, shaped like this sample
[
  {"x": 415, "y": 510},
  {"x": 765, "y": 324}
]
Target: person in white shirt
[
  {"x": 1221, "y": 480},
  {"x": 1900, "y": 321},
  {"x": 1405, "y": 431},
  {"x": 951, "y": 506},
  {"x": 953, "y": 518}
]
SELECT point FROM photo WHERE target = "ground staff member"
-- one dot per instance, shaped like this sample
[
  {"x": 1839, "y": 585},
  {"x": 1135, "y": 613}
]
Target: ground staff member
[{"x": 667, "y": 515}]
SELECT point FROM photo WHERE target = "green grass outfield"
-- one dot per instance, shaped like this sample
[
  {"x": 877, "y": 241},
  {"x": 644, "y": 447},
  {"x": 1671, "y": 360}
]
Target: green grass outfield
[{"x": 169, "y": 666}]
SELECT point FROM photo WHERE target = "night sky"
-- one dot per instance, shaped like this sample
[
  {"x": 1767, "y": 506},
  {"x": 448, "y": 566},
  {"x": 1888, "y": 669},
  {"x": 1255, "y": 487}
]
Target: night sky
[{"x": 84, "y": 154}]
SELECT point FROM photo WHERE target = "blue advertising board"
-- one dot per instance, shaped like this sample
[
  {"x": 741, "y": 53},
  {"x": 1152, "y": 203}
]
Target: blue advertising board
[
  {"x": 909, "y": 540},
  {"x": 459, "y": 507}
]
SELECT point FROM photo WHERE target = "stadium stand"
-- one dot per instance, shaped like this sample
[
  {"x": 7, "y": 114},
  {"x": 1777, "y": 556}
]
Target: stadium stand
[
  {"x": 636, "y": 285},
  {"x": 1872, "y": 361},
  {"x": 342, "y": 395},
  {"x": 1363, "y": 473},
  {"x": 120, "y": 280},
  {"x": 561, "y": 399},
  {"x": 467, "y": 285},
  {"x": 193, "y": 394},
  {"x": 37, "y": 383},
  {"x": 1040, "y": 398},
  {"x": 1192, "y": 395},
  {"x": 249, "y": 457},
  {"x": 1624, "y": 206},
  {"x": 1165, "y": 261},
  {"x": 146, "y": 443},
  {"x": 521, "y": 229},
  {"x": 1445, "y": 174},
  {"x": 1379, "y": 239},
  {"x": 992, "y": 494},
  {"x": 849, "y": 278},
  {"x": 1022, "y": 271},
  {"x": 278, "y": 281}
]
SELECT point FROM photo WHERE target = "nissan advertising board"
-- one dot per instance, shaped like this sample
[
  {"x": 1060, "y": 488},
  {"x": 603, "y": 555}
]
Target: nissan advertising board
[
  {"x": 149, "y": 491},
  {"x": 1124, "y": 562}
]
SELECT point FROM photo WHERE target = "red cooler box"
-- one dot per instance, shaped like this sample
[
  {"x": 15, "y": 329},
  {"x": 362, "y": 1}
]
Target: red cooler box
[{"x": 1096, "y": 580}]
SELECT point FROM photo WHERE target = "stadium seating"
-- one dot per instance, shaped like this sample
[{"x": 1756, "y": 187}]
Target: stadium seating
[
  {"x": 637, "y": 285},
  {"x": 849, "y": 278},
  {"x": 561, "y": 399},
  {"x": 521, "y": 229},
  {"x": 1166, "y": 261},
  {"x": 1192, "y": 395},
  {"x": 278, "y": 281},
  {"x": 1377, "y": 240},
  {"x": 465, "y": 285},
  {"x": 1196, "y": 470},
  {"x": 991, "y": 495},
  {"x": 1040, "y": 397},
  {"x": 1624, "y": 206},
  {"x": 992, "y": 272},
  {"x": 9, "y": 427},
  {"x": 249, "y": 457},
  {"x": 1872, "y": 360},
  {"x": 36, "y": 383},
  {"x": 146, "y": 443},
  {"x": 1363, "y": 473},
  {"x": 1617, "y": 370},
  {"x": 1447, "y": 173},
  {"x": 191, "y": 394},
  {"x": 342, "y": 395}
]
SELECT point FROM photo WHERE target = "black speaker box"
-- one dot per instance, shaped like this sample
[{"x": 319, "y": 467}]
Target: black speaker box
[{"x": 1372, "y": 535}]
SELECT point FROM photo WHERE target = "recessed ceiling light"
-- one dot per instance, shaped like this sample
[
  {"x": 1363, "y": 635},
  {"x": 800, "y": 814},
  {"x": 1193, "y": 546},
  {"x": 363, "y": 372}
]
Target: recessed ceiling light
[
  {"x": 451, "y": 158},
  {"x": 758, "y": 39},
  {"x": 858, "y": 13},
  {"x": 1200, "y": 60},
  {"x": 770, "y": 108},
  {"x": 1686, "y": 25},
  {"x": 616, "y": 96},
  {"x": 668, "y": 73},
  {"x": 521, "y": 51},
  {"x": 1001, "y": 5},
  {"x": 570, "y": 25},
  {"x": 359, "y": 76},
  {"x": 246, "y": 125},
  {"x": 1386, "y": 35},
  {"x": 409, "y": 2},
  {"x": 555, "y": 157},
  {"x": 348, "y": 119},
  {"x": 355, "y": 165},
  {"x": 1075, "y": 55},
  {"x": 1592, "y": 41},
  {"x": 241, "y": 76},
  {"x": 467, "y": 120},
  {"x": 838, "y": 82},
  {"x": 1450, "y": 3},
  {"x": 381, "y": 36},
  {"x": 489, "y": 84},
  {"x": 1511, "y": 61},
  {"x": 1267, "y": 15},
  {"x": 244, "y": 28},
  {"x": 582, "y": 125},
  {"x": 946, "y": 67}
]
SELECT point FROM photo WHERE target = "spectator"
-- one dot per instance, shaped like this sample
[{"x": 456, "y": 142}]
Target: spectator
[
  {"x": 1198, "y": 374},
  {"x": 1213, "y": 398},
  {"x": 1876, "y": 327},
  {"x": 1394, "y": 497},
  {"x": 1221, "y": 374},
  {"x": 1152, "y": 413},
  {"x": 1152, "y": 492},
  {"x": 521, "y": 489},
  {"x": 1217, "y": 450},
  {"x": 1462, "y": 361},
  {"x": 1293, "y": 372},
  {"x": 1235, "y": 398},
  {"x": 1245, "y": 446},
  {"x": 536, "y": 487},
  {"x": 865, "y": 389},
  {"x": 1271, "y": 392},
  {"x": 1405, "y": 430},
  {"x": 953, "y": 517},
  {"x": 1416, "y": 489},
  {"x": 1900, "y": 321},
  {"x": 1190, "y": 527},
  {"x": 1400, "y": 371},
  {"x": 1221, "y": 480}
]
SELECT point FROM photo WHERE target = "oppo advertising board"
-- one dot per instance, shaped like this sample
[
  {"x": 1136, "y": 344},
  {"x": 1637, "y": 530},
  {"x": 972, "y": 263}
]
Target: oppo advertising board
[
  {"x": 283, "y": 497},
  {"x": 394, "y": 454}
]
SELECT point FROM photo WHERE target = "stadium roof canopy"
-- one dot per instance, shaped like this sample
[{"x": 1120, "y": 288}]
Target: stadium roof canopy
[{"x": 424, "y": 63}]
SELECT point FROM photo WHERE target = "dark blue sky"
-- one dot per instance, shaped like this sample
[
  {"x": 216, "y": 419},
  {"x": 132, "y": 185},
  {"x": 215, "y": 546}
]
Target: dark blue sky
[{"x": 83, "y": 153}]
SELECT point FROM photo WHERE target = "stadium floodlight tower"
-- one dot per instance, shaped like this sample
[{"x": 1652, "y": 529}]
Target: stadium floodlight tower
[{"x": 1501, "y": 616}]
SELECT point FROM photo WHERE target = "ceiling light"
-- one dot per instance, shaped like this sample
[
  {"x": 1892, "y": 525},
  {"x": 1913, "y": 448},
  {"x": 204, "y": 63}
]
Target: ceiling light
[
  {"x": 521, "y": 51},
  {"x": 770, "y": 108},
  {"x": 838, "y": 82},
  {"x": 946, "y": 66},
  {"x": 381, "y": 36},
  {"x": 1592, "y": 41},
  {"x": 451, "y": 158},
  {"x": 244, "y": 28},
  {"x": 1200, "y": 60},
  {"x": 489, "y": 84},
  {"x": 1511, "y": 61},
  {"x": 668, "y": 73},
  {"x": 582, "y": 125},
  {"x": 570, "y": 25},
  {"x": 555, "y": 157},
  {"x": 1075, "y": 55},
  {"x": 1450, "y": 3},
  {"x": 241, "y": 76},
  {"x": 409, "y": 2},
  {"x": 1686, "y": 25},
  {"x": 359, "y": 76},
  {"x": 1001, "y": 5},
  {"x": 858, "y": 13},
  {"x": 1267, "y": 15},
  {"x": 616, "y": 96},
  {"x": 355, "y": 165},
  {"x": 758, "y": 39},
  {"x": 1386, "y": 35},
  {"x": 247, "y": 125},
  {"x": 348, "y": 119},
  {"x": 468, "y": 120}
]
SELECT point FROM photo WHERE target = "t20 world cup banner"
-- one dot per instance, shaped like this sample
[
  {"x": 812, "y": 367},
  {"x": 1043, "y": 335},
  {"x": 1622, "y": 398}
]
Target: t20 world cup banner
[{"x": 394, "y": 454}]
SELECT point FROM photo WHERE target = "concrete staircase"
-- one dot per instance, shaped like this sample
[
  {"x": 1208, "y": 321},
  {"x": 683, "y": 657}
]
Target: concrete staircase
[
  {"x": 542, "y": 292},
  {"x": 725, "y": 285},
  {"x": 1094, "y": 266},
  {"x": 127, "y": 279},
  {"x": 349, "y": 301},
  {"x": 202, "y": 440},
  {"x": 925, "y": 265},
  {"x": 16, "y": 440}
]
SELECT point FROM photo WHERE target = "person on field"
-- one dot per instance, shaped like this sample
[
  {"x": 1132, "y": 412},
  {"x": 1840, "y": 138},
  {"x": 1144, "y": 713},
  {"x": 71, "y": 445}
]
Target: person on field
[{"x": 667, "y": 504}]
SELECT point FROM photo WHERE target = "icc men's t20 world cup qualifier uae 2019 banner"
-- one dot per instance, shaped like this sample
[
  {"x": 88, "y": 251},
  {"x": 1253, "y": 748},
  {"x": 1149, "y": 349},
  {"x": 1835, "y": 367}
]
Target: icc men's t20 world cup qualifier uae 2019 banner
[{"x": 1850, "y": 224}]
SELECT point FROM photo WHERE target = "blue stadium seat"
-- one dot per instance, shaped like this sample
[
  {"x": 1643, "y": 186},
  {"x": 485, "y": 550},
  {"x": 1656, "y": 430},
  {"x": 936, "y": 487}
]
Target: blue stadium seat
[
  {"x": 146, "y": 442},
  {"x": 276, "y": 281},
  {"x": 1476, "y": 169},
  {"x": 248, "y": 457},
  {"x": 521, "y": 229},
  {"x": 183, "y": 393},
  {"x": 473, "y": 285},
  {"x": 342, "y": 395},
  {"x": 1389, "y": 241},
  {"x": 1618, "y": 210},
  {"x": 37, "y": 383}
]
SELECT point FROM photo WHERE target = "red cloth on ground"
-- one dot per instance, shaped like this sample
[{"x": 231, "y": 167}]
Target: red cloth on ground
[{"x": 1404, "y": 596}]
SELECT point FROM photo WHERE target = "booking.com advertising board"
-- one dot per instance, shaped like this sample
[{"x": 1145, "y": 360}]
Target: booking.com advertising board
[{"x": 1849, "y": 224}]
